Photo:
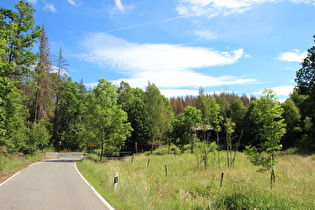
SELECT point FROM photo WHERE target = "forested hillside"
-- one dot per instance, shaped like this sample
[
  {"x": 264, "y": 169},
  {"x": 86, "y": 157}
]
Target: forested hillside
[{"x": 41, "y": 107}]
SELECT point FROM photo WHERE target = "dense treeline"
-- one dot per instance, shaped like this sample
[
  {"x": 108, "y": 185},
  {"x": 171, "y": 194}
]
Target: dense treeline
[
  {"x": 180, "y": 102},
  {"x": 40, "y": 106}
]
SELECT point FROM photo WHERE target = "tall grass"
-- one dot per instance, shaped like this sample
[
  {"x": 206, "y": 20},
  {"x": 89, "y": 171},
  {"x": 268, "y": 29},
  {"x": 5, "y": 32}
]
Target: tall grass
[
  {"x": 188, "y": 187},
  {"x": 10, "y": 163}
]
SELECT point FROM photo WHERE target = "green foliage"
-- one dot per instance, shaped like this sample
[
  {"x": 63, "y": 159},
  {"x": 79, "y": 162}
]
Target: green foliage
[
  {"x": 186, "y": 187},
  {"x": 258, "y": 158},
  {"x": 167, "y": 149},
  {"x": 15, "y": 129},
  {"x": 241, "y": 200},
  {"x": 131, "y": 101},
  {"x": 157, "y": 109},
  {"x": 267, "y": 115},
  {"x": 11, "y": 163},
  {"x": 106, "y": 121},
  {"x": 6, "y": 87},
  {"x": 80, "y": 116},
  {"x": 202, "y": 152},
  {"x": 38, "y": 137},
  {"x": 292, "y": 118},
  {"x": 21, "y": 36},
  {"x": 238, "y": 113},
  {"x": 210, "y": 111},
  {"x": 68, "y": 116},
  {"x": 305, "y": 76},
  {"x": 229, "y": 130},
  {"x": 183, "y": 127},
  {"x": 305, "y": 97}
]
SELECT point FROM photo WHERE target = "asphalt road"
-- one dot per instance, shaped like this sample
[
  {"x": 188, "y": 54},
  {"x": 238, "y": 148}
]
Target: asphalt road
[{"x": 49, "y": 185}]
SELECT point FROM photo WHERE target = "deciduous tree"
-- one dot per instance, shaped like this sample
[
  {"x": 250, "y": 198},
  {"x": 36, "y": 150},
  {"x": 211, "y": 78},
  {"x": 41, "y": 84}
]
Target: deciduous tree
[
  {"x": 21, "y": 39},
  {"x": 267, "y": 114},
  {"x": 131, "y": 101},
  {"x": 157, "y": 109},
  {"x": 184, "y": 127},
  {"x": 305, "y": 76},
  {"x": 106, "y": 121}
]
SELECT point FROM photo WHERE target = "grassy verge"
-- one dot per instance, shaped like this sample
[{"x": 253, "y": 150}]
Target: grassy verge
[
  {"x": 97, "y": 182},
  {"x": 143, "y": 183},
  {"x": 10, "y": 164}
]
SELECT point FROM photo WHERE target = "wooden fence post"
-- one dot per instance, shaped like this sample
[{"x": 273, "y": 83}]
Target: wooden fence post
[{"x": 222, "y": 175}]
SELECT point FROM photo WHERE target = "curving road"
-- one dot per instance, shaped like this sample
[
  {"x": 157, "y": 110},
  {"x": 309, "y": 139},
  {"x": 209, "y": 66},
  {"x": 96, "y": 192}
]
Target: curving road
[{"x": 49, "y": 185}]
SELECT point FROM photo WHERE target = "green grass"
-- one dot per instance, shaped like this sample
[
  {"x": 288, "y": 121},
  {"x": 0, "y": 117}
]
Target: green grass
[
  {"x": 10, "y": 163},
  {"x": 187, "y": 187}
]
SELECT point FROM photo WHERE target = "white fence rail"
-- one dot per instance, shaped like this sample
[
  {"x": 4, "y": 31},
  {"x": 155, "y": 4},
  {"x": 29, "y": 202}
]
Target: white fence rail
[{"x": 66, "y": 155}]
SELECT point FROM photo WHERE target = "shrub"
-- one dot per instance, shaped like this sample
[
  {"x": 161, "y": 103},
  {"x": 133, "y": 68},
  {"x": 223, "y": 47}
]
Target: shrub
[{"x": 172, "y": 149}]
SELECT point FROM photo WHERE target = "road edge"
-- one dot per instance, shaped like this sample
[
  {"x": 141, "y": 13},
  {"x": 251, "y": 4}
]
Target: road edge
[
  {"x": 17, "y": 172},
  {"x": 97, "y": 194}
]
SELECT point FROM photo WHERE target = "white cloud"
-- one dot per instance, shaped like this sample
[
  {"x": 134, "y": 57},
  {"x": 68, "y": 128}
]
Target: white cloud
[
  {"x": 71, "y": 2},
  {"x": 169, "y": 66},
  {"x": 292, "y": 56},
  {"x": 304, "y": 2},
  {"x": 213, "y": 8},
  {"x": 32, "y": 1},
  {"x": 75, "y": 2},
  {"x": 120, "y": 8},
  {"x": 178, "y": 92},
  {"x": 111, "y": 51},
  {"x": 283, "y": 90},
  {"x": 50, "y": 7},
  {"x": 206, "y": 34},
  {"x": 119, "y": 5},
  {"x": 180, "y": 79}
]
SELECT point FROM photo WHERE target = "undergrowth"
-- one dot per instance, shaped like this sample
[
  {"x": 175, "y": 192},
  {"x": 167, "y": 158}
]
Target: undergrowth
[{"x": 175, "y": 182}]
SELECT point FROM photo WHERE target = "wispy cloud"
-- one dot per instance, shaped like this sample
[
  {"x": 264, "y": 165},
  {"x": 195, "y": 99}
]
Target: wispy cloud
[
  {"x": 50, "y": 7},
  {"x": 143, "y": 24},
  {"x": 119, "y": 5},
  {"x": 213, "y": 8},
  {"x": 119, "y": 8},
  {"x": 292, "y": 56},
  {"x": 32, "y": 1},
  {"x": 206, "y": 34},
  {"x": 304, "y": 2},
  {"x": 169, "y": 66},
  {"x": 75, "y": 2}
]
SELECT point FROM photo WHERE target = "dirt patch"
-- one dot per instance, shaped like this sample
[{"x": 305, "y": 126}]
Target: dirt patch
[{"x": 6, "y": 174}]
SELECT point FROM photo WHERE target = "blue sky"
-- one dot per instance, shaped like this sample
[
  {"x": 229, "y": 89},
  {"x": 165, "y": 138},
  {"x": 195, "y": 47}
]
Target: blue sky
[{"x": 240, "y": 46}]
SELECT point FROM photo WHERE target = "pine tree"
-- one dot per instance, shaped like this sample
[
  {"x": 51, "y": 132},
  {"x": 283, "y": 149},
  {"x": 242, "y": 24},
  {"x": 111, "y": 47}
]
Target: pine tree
[{"x": 44, "y": 91}]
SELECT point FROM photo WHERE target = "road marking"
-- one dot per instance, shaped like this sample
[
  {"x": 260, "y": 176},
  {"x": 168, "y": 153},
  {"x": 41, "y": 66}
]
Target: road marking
[
  {"x": 10, "y": 178},
  {"x": 17, "y": 173},
  {"x": 97, "y": 194}
]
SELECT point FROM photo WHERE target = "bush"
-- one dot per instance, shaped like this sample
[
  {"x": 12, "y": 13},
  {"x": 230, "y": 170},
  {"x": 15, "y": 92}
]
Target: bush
[
  {"x": 38, "y": 138},
  {"x": 172, "y": 149},
  {"x": 92, "y": 157}
]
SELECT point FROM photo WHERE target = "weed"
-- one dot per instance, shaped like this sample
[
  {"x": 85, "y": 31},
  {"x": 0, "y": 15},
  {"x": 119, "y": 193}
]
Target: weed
[{"x": 187, "y": 187}]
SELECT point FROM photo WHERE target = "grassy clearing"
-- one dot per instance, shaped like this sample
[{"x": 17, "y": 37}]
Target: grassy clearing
[
  {"x": 143, "y": 186},
  {"x": 10, "y": 164}
]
